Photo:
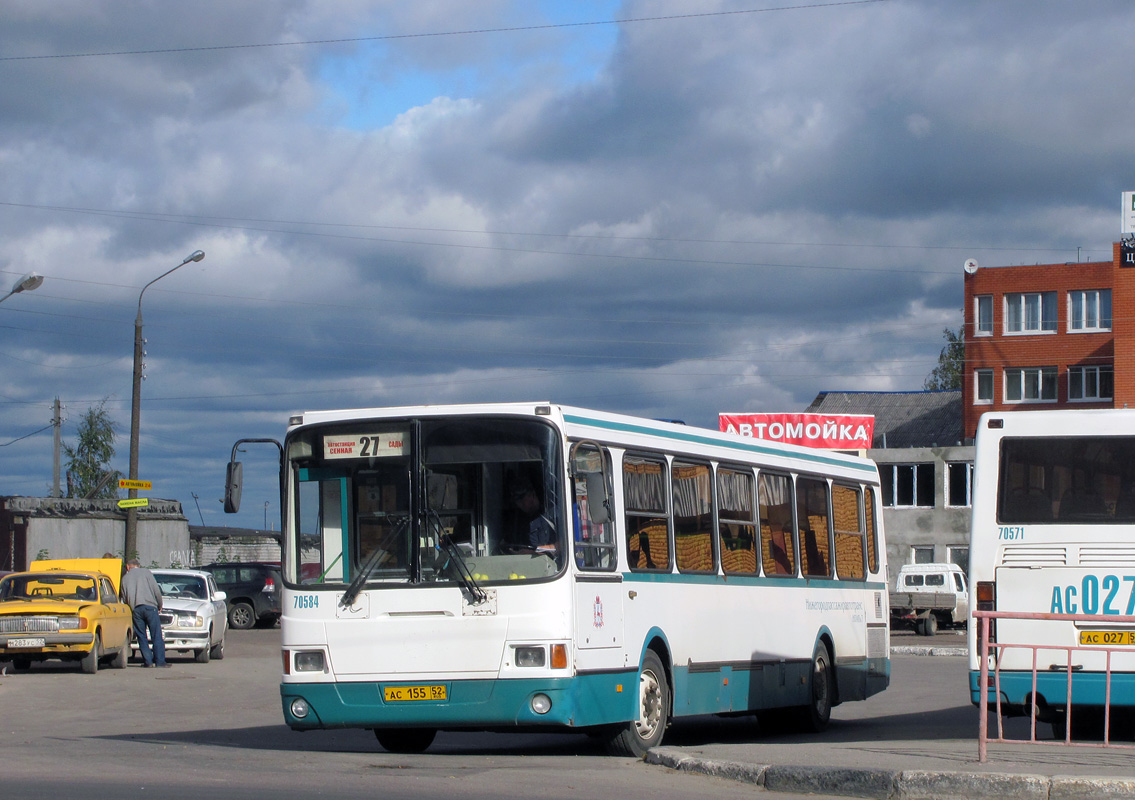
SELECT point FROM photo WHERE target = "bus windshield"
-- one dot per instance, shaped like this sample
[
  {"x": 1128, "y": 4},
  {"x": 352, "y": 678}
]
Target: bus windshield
[{"x": 427, "y": 501}]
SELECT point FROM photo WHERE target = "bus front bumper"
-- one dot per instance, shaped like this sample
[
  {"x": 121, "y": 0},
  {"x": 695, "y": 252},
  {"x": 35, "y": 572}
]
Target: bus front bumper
[{"x": 577, "y": 702}]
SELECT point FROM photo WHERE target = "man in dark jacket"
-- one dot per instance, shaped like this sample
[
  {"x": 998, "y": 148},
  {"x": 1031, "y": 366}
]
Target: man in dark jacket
[{"x": 141, "y": 592}]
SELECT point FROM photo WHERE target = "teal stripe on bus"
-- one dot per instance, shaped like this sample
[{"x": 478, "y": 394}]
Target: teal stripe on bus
[{"x": 701, "y": 439}]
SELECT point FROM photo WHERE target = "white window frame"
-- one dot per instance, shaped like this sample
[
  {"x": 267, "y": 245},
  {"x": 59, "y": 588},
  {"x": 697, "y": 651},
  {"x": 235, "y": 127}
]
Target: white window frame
[
  {"x": 982, "y": 327},
  {"x": 1031, "y": 319},
  {"x": 967, "y": 466},
  {"x": 918, "y": 478},
  {"x": 1079, "y": 376},
  {"x": 925, "y": 551},
  {"x": 1087, "y": 306},
  {"x": 1022, "y": 376},
  {"x": 978, "y": 400}
]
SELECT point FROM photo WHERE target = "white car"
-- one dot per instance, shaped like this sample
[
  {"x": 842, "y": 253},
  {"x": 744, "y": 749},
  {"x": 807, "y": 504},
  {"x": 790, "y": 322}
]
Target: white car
[{"x": 194, "y": 616}]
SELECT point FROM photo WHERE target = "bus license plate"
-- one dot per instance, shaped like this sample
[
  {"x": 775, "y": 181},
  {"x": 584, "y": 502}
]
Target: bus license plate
[
  {"x": 25, "y": 642},
  {"x": 1104, "y": 638},
  {"x": 400, "y": 694}
]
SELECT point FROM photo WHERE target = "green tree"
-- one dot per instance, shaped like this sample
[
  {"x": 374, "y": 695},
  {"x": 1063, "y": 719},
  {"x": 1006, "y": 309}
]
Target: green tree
[
  {"x": 951, "y": 361},
  {"x": 88, "y": 465}
]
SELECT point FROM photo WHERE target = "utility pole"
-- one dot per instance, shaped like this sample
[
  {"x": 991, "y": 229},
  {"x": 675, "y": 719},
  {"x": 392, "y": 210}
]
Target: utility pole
[{"x": 57, "y": 424}]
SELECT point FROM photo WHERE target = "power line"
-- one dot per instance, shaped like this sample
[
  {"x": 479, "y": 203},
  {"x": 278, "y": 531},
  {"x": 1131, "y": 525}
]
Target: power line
[
  {"x": 25, "y": 436},
  {"x": 470, "y": 32},
  {"x": 205, "y": 219}
]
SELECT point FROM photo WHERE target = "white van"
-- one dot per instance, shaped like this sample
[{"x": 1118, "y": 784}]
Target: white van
[{"x": 929, "y": 596}]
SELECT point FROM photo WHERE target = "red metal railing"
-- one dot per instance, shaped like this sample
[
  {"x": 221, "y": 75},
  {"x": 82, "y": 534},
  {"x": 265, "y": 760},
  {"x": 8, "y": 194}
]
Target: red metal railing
[{"x": 983, "y": 618}]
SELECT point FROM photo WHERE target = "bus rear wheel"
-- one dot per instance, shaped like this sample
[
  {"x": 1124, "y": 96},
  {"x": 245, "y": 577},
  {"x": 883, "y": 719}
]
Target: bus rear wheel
[
  {"x": 634, "y": 738},
  {"x": 818, "y": 713},
  {"x": 405, "y": 740}
]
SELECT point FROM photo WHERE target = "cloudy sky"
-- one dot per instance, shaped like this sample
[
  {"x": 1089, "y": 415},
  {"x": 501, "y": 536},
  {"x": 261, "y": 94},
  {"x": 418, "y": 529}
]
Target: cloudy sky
[{"x": 664, "y": 207}]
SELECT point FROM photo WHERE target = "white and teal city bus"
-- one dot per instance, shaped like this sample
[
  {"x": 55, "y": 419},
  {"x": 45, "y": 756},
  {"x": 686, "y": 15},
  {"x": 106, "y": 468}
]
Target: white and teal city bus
[
  {"x": 1053, "y": 543},
  {"x": 539, "y": 567}
]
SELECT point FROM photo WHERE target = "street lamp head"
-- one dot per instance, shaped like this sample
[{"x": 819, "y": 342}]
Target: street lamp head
[
  {"x": 31, "y": 281},
  {"x": 196, "y": 255}
]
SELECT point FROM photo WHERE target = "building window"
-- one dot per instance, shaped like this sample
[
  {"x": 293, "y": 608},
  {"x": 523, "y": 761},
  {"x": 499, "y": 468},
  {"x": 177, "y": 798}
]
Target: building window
[
  {"x": 959, "y": 484},
  {"x": 1030, "y": 313},
  {"x": 1089, "y": 310},
  {"x": 959, "y": 556},
  {"x": 907, "y": 485},
  {"x": 1091, "y": 383},
  {"x": 983, "y": 311},
  {"x": 1030, "y": 385},
  {"x": 922, "y": 554},
  {"x": 983, "y": 386}
]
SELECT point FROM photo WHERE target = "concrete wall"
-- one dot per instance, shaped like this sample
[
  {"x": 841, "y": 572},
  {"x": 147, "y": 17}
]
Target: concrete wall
[
  {"x": 164, "y": 543},
  {"x": 34, "y": 527},
  {"x": 940, "y": 527},
  {"x": 209, "y": 550}
]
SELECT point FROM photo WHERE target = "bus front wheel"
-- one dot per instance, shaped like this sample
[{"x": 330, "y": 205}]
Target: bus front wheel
[
  {"x": 634, "y": 738},
  {"x": 405, "y": 740}
]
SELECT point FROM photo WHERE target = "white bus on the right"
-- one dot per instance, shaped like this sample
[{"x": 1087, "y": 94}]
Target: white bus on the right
[{"x": 1054, "y": 533}]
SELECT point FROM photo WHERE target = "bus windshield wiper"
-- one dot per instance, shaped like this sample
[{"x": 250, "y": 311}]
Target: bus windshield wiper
[
  {"x": 370, "y": 565},
  {"x": 464, "y": 575}
]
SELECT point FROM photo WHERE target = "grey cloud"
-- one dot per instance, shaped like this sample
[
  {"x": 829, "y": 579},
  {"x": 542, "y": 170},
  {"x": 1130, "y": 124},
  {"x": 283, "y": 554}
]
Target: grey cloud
[{"x": 737, "y": 213}]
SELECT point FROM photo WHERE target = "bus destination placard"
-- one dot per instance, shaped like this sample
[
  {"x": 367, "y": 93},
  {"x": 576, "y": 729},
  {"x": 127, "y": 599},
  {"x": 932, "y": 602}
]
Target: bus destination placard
[{"x": 377, "y": 445}]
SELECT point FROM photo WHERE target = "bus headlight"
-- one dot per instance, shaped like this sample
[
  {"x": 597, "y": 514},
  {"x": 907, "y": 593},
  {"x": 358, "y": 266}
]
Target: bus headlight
[
  {"x": 530, "y": 657},
  {"x": 300, "y": 708},
  {"x": 541, "y": 703},
  {"x": 309, "y": 661}
]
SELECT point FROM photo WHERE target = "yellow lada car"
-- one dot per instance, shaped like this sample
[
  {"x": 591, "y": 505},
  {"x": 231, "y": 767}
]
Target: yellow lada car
[{"x": 65, "y": 609}]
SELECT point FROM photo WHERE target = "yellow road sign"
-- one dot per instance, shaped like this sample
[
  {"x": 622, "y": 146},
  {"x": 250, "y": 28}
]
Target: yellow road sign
[
  {"x": 137, "y": 502},
  {"x": 126, "y": 483}
]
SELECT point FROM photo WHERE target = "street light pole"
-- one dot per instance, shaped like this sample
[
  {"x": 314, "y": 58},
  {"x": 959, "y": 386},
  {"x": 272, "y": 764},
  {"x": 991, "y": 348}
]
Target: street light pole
[
  {"x": 27, "y": 283},
  {"x": 130, "y": 548}
]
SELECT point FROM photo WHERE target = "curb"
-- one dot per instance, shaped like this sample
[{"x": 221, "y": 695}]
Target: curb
[{"x": 886, "y": 784}]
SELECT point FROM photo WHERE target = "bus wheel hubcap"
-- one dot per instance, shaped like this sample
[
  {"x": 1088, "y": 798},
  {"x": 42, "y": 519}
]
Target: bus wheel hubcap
[{"x": 650, "y": 698}]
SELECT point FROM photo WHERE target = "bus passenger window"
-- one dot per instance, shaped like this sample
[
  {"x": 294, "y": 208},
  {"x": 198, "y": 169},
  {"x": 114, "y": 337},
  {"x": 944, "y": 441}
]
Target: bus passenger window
[
  {"x": 869, "y": 519},
  {"x": 850, "y": 544},
  {"x": 647, "y": 517},
  {"x": 693, "y": 517},
  {"x": 812, "y": 520},
  {"x": 778, "y": 555},
  {"x": 736, "y": 522}
]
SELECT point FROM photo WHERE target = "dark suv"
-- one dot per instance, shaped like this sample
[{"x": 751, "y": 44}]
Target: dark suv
[{"x": 253, "y": 591}]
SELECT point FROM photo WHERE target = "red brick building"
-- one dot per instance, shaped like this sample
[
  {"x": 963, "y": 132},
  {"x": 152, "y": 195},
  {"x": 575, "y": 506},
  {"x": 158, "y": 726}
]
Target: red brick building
[{"x": 1050, "y": 336}]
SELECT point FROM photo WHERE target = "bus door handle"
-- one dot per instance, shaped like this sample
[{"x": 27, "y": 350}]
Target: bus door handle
[{"x": 1064, "y": 667}]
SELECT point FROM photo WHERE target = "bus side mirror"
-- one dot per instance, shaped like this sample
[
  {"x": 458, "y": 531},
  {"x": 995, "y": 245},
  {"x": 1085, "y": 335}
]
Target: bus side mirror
[
  {"x": 233, "y": 481},
  {"x": 598, "y": 507}
]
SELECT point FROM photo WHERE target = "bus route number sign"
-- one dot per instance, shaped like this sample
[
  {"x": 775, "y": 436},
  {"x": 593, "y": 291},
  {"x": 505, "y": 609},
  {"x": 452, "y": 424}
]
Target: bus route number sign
[
  {"x": 377, "y": 445},
  {"x": 402, "y": 694}
]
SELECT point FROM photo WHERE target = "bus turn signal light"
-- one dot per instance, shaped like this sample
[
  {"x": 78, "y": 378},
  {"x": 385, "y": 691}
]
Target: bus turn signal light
[
  {"x": 559, "y": 656},
  {"x": 986, "y": 595}
]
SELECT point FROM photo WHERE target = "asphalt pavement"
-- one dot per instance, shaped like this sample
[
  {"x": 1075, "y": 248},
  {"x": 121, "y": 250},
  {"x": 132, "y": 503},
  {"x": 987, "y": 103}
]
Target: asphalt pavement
[{"x": 910, "y": 742}]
